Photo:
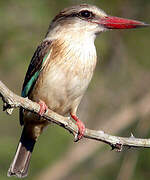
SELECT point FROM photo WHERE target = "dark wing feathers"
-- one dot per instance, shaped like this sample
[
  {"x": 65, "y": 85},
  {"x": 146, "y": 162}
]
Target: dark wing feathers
[
  {"x": 36, "y": 62},
  {"x": 34, "y": 67}
]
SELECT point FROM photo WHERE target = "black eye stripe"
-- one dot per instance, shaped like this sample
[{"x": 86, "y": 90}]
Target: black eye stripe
[{"x": 84, "y": 14}]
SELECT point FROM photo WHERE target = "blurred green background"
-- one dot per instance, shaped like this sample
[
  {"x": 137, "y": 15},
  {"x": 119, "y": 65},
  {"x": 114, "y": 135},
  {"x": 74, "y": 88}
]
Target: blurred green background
[{"x": 117, "y": 100}]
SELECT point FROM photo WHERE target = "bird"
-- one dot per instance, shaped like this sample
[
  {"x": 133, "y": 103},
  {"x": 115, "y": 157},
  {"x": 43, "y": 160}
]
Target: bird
[{"x": 60, "y": 72}]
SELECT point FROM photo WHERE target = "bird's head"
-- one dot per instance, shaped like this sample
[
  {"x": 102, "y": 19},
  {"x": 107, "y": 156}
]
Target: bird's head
[{"x": 89, "y": 20}]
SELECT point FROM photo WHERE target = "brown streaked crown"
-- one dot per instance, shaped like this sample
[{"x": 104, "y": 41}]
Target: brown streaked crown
[{"x": 76, "y": 11}]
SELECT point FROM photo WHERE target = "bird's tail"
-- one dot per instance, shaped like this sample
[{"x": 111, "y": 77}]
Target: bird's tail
[{"x": 20, "y": 164}]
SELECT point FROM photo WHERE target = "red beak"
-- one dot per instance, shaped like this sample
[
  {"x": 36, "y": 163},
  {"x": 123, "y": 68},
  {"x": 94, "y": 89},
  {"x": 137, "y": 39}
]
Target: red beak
[{"x": 112, "y": 22}]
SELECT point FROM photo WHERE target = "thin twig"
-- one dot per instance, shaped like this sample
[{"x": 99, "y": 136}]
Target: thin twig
[{"x": 12, "y": 101}]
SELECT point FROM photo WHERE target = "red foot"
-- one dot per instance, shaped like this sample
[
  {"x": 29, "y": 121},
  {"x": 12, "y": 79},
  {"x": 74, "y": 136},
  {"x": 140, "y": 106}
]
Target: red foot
[
  {"x": 43, "y": 107},
  {"x": 81, "y": 127}
]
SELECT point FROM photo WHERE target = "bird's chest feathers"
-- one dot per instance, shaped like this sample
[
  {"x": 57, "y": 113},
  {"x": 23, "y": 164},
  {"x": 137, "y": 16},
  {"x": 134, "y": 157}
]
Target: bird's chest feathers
[
  {"x": 68, "y": 71},
  {"x": 74, "y": 66}
]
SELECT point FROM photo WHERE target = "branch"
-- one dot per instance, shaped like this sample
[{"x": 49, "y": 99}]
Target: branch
[{"x": 12, "y": 101}]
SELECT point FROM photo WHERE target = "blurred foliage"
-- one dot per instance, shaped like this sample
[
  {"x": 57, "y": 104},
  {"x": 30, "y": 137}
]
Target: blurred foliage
[{"x": 122, "y": 77}]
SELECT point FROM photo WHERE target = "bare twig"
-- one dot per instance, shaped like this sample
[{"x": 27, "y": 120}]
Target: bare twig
[{"x": 12, "y": 100}]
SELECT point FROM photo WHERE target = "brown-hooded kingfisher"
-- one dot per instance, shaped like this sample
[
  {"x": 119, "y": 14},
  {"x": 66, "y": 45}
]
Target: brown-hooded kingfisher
[{"x": 60, "y": 72}]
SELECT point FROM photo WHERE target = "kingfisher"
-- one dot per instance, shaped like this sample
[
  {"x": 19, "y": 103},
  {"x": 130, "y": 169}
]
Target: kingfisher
[{"x": 60, "y": 72}]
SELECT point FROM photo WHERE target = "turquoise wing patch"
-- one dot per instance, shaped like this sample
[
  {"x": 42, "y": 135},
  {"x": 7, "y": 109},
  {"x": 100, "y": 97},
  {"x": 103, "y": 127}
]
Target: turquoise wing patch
[{"x": 32, "y": 80}]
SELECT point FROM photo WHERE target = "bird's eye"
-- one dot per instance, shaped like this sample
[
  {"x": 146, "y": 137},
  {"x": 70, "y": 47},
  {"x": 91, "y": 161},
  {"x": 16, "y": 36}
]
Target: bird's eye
[{"x": 86, "y": 14}]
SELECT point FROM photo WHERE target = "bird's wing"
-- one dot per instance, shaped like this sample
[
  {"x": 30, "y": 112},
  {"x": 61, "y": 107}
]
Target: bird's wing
[{"x": 36, "y": 65}]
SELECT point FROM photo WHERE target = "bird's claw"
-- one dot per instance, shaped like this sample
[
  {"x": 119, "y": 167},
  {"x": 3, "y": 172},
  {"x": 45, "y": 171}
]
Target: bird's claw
[
  {"x": 43, "y": 107},
  {"x": 81, "y": 128}
]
